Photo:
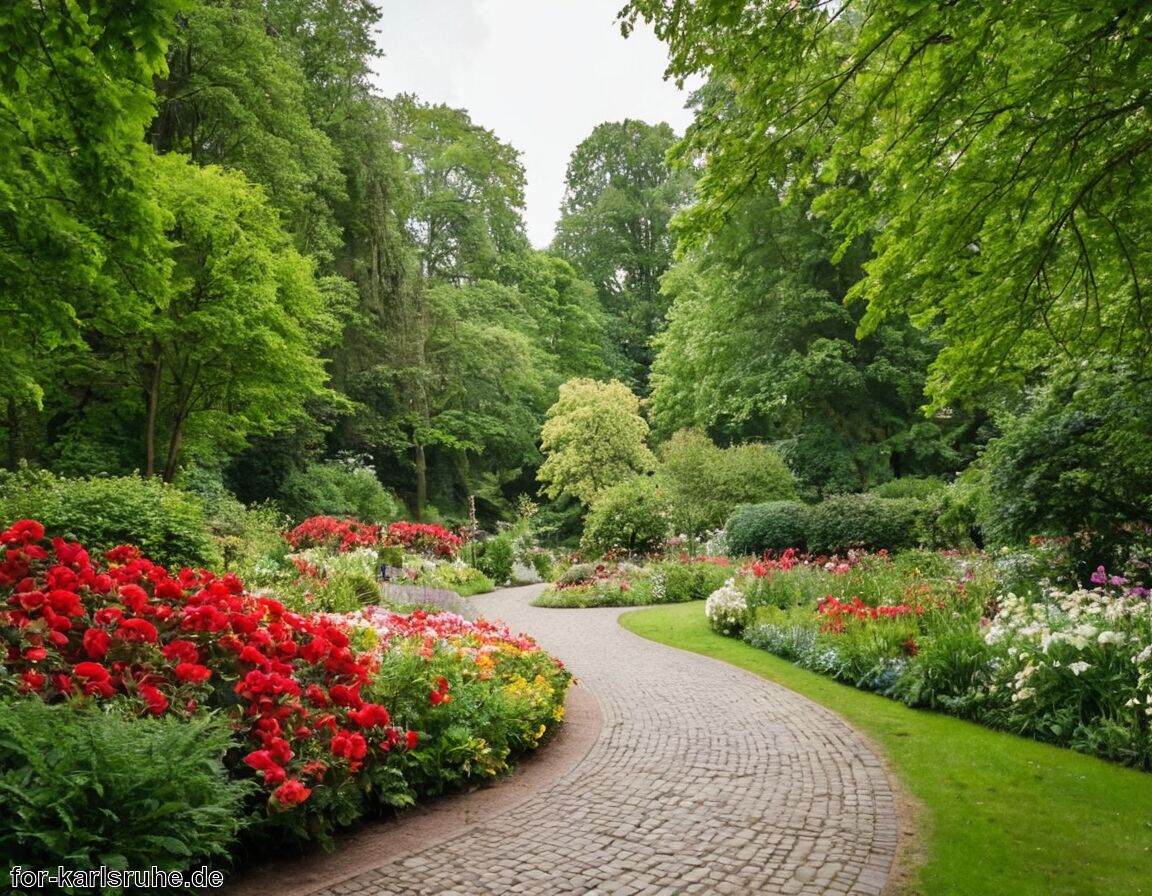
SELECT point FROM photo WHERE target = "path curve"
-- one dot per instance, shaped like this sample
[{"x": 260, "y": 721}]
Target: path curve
[{"x": 703, "y": 779}]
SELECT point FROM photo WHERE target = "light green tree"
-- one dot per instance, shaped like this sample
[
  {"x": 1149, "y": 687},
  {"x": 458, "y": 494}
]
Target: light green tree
[
  {"x": 78, "y": 226},
  {"x": 703, "y": 482},
  {"x": 593, "y": 437},
  {"x": 233, "y": 349}
]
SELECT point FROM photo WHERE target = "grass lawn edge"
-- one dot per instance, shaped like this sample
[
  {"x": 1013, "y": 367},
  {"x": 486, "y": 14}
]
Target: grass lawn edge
[{"x": 991, "y": 813}]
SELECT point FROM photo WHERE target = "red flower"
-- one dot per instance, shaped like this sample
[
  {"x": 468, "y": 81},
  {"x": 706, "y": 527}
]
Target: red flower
[
  {"x": 411, "y": 739},
  {"x": 137, "y": 630},
  {"x": 156, "y": 701},
  {"x": 181, "y": 652},
  {"x": 373, "y": 715},
  {"x": 22, "y": 532},
  {"x": 134, "y": 598},
  {"x": 291, "y": 793},
  {"x": 70, "y": 553},
  {"x": 35, "y": 654},
  {"x": 96, "y": 642},
  {"x": 349, "y": 744},
  {"x": 193, "y": 672}
]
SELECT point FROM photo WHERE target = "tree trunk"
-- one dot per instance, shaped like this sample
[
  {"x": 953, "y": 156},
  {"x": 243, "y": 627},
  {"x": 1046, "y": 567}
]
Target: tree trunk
[
  {"x": 173, "y": 451},
  {"x": 150, "y": 429},
  {"x": 421, "y": 480},
  {"x": 15, "y": 436}
]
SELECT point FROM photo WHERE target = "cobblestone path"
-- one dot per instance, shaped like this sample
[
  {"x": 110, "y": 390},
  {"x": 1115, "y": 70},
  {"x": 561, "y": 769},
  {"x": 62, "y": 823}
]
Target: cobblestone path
[{"x": 703, "y": 779}]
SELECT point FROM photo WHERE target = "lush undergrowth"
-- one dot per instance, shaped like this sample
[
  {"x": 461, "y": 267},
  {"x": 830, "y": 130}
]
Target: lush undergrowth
[{"x": 997, "y": 814}]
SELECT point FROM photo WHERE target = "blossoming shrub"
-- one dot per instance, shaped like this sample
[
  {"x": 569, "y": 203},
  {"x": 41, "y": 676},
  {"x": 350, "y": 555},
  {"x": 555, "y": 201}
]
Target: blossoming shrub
[
  {"x": 1076, "y": 669},
  {"x": 423, "y": 538},
  {"x": 333, "y": 534},
  {"x": 289, "y": 684},
  {"x": 1073, "y": 668},
  {"x": 94, "y": 786},
  {"x": 477, "y": 695}
]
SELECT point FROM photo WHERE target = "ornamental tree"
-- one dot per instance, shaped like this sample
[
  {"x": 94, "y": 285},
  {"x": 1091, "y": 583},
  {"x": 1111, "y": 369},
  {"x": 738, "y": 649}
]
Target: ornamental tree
[{"x": 593, "y": 437}]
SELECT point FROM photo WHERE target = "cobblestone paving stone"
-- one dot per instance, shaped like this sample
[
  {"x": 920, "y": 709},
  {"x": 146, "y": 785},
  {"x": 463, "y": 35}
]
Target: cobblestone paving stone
[{"x": 705, "y": 779}]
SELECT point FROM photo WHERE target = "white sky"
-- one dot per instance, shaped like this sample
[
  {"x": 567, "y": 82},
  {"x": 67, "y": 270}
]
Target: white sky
[{"x": 540, "y": 74}]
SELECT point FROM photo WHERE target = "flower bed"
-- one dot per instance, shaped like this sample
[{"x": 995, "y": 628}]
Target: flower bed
[
  {"x": 628, "y": 585},
  {"x": 1073, "y": 667},
  {"x": 303, "y": 695}
]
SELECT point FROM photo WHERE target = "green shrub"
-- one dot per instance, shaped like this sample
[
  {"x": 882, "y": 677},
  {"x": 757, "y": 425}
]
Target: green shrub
[
  {"x": 676, "y": 582},
  {"x": 494, "y": 558},
  {"x": 577, "y": 573},
  {"x": 86, "y": 788},
  {"x": 704, "y": 482},
  {"x": 845, "y": 522},
  {"x": 250, "y": 539},
  {"x": 922, "y": 487},
  {"x": 774, "y": 526},
  {"x": 168, "y": 524},
  {"x": 631, "y": 517},
  {"x": 339, "y": 489},
  {"x": 456, "y": 576}
]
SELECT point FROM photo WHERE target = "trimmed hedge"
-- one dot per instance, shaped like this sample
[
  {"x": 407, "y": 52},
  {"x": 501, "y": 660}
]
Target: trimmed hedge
[
  {"x": 843, "y": 522},
  {"x": 835, "y": 525},
  {"x": 774, "y": 526}
]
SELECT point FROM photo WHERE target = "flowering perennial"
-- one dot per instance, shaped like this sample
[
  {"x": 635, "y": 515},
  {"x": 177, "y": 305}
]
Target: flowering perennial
[
  {"x": 726, "y": 609},
  {"x": 291, "y": 684},
  {"x": 836, "y": 612},
  {"x": 423, "y": 538},
  {"x": 333, "y": 534}
]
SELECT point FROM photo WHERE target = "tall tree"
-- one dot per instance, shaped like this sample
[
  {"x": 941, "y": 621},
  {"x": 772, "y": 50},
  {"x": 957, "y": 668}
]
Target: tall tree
[
  {"x": 1000, "y": 150},
  {"x": 621, "y": 194},
  {"x": 77, "y": 224},
  {"x": 467, "y": 193},
  {"x": 235, "y": 95},
  {"x": 761, "y": 345}
]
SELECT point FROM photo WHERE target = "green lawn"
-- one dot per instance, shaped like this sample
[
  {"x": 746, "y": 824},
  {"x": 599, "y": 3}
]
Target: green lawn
[{"x": 998, "y": 814}]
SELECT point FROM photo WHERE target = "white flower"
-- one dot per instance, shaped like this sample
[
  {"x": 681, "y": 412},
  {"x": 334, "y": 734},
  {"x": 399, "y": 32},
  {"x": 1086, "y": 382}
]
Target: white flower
[
  {"x": 1079, "y": 667},
  {"x": 726, "y": 607},
  {"x": 1109, "y": 637},
  {"x": 1143, "y": 656}
]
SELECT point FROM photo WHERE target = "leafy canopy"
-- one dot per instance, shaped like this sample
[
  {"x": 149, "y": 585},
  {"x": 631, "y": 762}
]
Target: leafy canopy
[{"x": 998, "y": 152}]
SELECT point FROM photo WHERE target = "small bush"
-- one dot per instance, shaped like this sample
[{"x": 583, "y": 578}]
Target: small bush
[
  {"x": 774, "y": 526},
  {"x": 340, "y": 489},
  {"x": 494, "y": 558},
  {"x": 577, "y": 573},
  {"x": 846, "y": 522},
  {"x": 675, "y": 582},
  {"x": 631, "y": 518},
  {"x": 91, "y": 787},
  {"x": 167, "y": 524}
]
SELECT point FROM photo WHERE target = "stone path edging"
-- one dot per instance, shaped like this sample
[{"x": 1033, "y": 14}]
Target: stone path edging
[{"x": 701, "y": 778}]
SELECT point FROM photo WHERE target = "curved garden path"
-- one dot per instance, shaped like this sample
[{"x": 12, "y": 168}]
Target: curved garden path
[{"x": 700, "y": 778}]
